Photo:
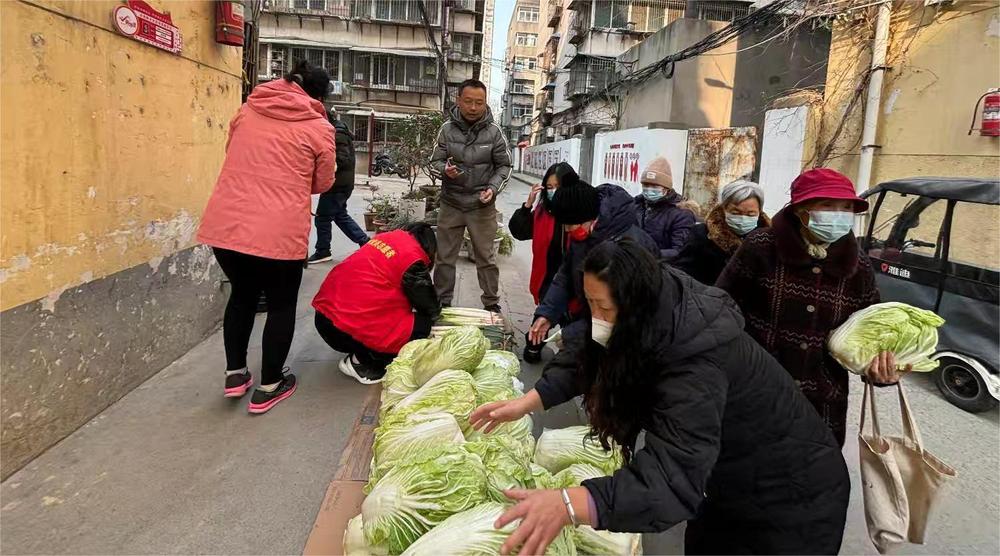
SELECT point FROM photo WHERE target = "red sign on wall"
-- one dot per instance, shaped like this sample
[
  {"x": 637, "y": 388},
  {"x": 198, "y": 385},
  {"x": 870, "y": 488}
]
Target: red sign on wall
[{"x": 140, "y": 21}]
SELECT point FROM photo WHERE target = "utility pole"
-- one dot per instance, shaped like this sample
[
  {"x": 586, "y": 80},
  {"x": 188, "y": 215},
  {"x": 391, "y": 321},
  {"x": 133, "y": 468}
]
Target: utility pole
[{"x": 443, "y": 56}]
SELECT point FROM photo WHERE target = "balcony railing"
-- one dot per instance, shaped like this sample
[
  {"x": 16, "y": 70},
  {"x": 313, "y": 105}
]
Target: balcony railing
[
  {"x": 555, "y": 13},
  {"x": 425, "y": 86},
  {"x": 579, "y": 28},
  {"x": 588, "y": 75},
  {"x": 335, "y": 8},
  {"x": 379, "y": 10}
]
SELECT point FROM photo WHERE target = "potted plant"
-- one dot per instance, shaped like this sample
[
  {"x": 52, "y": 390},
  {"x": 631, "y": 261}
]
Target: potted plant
[
  {"x": 383, "y": 209},
  {"x": 413, "y": 205}
]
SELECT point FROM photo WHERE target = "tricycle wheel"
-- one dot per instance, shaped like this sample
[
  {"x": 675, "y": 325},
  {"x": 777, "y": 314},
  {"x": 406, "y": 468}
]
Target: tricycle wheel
[{"x": 961, "y": 385}]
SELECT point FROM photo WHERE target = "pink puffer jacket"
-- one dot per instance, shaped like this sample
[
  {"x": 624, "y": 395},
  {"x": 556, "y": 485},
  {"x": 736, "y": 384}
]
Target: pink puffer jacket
[{"x": 280, "y": 151}]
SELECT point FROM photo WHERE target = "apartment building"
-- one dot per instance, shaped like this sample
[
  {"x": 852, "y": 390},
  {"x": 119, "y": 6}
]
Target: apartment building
[
  {"x": 580, "y": 61},
  {"x": 389, "y": 59},
  {"x": 526, "y": 36}
]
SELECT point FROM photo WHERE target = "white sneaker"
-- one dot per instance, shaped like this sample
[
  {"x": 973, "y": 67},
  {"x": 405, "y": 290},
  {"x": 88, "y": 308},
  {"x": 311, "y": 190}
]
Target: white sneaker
[{"x": 347, "y": 367}]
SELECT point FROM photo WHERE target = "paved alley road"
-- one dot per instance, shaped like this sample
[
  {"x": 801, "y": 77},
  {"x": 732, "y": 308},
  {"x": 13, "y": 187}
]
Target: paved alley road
[{"x": 173, "y": 468}]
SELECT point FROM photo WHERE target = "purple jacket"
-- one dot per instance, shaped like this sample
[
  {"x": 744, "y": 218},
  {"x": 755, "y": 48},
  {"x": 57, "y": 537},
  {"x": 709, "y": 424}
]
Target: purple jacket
[{"x": 668, "y": 224}]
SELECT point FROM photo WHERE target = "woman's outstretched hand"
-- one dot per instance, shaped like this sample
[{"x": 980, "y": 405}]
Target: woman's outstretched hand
[
  {"x": 543, "y": 514},
  {"x": 493, "y": 414}
]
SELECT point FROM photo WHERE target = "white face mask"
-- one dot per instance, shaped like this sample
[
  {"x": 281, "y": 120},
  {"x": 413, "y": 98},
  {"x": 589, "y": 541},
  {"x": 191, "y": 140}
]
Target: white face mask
[{"x": 600, "y": 331}]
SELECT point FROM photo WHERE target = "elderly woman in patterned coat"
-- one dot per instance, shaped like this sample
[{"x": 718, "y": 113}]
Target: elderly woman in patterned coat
[{"x": 800, "y": 279}]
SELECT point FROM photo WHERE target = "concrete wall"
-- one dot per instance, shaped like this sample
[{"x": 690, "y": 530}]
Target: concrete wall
[
  {"x": 699, "y": 94},
  {"x": 110, "y": 149},
  {"x": 724, "y": 87},
  {"x": 942, "y": 58}
]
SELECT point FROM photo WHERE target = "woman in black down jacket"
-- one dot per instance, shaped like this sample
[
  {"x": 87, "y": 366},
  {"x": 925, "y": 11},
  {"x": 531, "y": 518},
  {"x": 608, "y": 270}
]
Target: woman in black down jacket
[
  {"x": 535, "y": 221},
  {"x": 731, "y": 445}
]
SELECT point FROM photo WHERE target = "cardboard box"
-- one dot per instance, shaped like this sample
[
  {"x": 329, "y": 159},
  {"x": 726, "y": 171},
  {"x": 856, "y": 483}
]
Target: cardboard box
[{"x": 343, "y": 501}]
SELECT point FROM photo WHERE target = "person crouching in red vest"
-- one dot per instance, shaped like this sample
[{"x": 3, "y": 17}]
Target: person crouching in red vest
[{"x": 378, "y": 299}]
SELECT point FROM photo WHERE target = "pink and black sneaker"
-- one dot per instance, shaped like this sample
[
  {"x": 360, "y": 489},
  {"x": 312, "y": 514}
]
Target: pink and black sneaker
[
  {"x": 262, "y": 402},
  {"x": 238, "y": 384}
]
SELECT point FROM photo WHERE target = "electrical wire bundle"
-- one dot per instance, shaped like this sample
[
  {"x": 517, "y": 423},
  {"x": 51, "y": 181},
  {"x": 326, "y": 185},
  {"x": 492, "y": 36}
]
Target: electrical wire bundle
[{"x": 714, "y": 40}]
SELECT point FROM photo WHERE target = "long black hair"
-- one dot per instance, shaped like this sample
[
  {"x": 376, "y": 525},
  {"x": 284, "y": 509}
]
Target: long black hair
[
  {"x": 314, "y": 81},
  {"x": 566, "y": 176},
  {"x": 619, "y": 379}
]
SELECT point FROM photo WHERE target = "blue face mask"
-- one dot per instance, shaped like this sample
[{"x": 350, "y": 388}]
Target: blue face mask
[
  {"x": 652, "y": 194},
  {"x": 830, "y": 225},
  {"x": 741, "y": 224},
  {"x": 550, "y": 193}
]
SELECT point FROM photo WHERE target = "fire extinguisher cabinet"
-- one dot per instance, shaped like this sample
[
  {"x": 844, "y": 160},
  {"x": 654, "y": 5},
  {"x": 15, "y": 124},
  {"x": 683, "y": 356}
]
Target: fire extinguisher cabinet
[{"x": 229, "y": 22}]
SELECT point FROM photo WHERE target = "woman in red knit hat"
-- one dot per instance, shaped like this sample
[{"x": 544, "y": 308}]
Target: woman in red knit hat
[{"x": 803, "y": 277}]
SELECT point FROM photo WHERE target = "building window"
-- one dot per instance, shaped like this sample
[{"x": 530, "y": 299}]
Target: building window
[
  {"x": 397, "y": 10},
  {"x": 528, "y": 14},
  {"x": 520, "y": 111},
  {"x": 398, "y": 73},
  {"x": 462, "y": 43},
  {"x": 523, "y": 86},
  {"x": 523, "y": 63},
  {"x": 326, "y": 59},
  {"x": 611, "y": 13},
  {"x": 526, "y": 39}
]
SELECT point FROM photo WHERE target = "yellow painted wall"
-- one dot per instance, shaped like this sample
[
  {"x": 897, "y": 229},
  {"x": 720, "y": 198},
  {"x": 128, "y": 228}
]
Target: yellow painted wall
[
  {"x": 110, "y": 147},
  {"x": 942, "y": 59}
]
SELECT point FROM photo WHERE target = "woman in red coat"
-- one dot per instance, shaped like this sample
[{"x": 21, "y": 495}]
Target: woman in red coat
[
  {"x": 378, "y": 299},
  {"x": 534, "y": 221},
  {"x": 803, "y": 277}
]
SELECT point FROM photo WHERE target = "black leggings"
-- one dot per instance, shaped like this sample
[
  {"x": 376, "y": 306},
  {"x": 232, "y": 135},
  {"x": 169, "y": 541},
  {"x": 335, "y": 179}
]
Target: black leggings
[
  {"x": 374, "y": 360},
  {"x": 249, "y": 276}
]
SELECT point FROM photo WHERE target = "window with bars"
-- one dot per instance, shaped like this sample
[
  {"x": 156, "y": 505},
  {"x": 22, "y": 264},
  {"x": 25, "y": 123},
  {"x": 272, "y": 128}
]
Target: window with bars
[
  {"x": 326, "y": 59},
  {"x": 462, "y": 43},
  {"x": 528, "y": 14},
  {"x": 397, "y": 10},
  {"x": 587, "y": 74},
  {"x": 526, "y": 39},
  {"x": 404, "y": 73}
]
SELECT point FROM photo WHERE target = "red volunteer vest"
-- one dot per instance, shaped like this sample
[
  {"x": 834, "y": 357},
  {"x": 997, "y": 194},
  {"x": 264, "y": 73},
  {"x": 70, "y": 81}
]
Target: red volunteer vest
[
  {"x": 363, "y": 295},
  {"x": 542, "y": 230}
]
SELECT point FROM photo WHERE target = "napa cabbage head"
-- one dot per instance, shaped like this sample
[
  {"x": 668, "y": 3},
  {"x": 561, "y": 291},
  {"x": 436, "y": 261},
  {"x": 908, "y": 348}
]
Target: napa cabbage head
[
  {"x": 557, "y": 449},
  {"x": 461, "y": 348},
  {"x": 605, "y": 543},
  {"x": 354, "y": 541},
  {"x": 471, "y": 533},
  {"x": 450, "y": 391},
  {"x": 519, "y": 430},
  {"x": 402, "y": 434},
  {"x": 493, "y": 384},
  {"x": 420, "y": 492},
  {"x": 398, "y": 381},
  {"x": 576, "y": 474},
  {"x": 502, "y": 361},
  {"x": 908, "y": 332},
  {"x": 506, "y": 460}
]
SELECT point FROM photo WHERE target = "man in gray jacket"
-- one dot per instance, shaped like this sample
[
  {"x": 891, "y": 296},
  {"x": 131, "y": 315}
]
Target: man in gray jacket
[{"x": 474, "y": 161}]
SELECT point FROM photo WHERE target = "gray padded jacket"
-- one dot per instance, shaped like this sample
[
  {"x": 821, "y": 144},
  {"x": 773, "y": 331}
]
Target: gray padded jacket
[{"x": 481, "y": 150}]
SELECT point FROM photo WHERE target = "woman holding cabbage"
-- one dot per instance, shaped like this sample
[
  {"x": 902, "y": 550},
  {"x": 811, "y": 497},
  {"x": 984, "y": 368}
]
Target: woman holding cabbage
[
  {"x": 799, "y": 280},
  {"x": 730, "y": 444}
]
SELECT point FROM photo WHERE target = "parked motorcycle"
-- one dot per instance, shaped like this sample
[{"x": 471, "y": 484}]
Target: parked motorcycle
[{"x": 383, "y": 163}]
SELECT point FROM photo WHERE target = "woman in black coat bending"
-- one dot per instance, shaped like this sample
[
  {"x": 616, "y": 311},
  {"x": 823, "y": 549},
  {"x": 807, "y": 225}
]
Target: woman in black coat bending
[
  {"x": 536, "y": 222},
  {"x": 731, "y": 445}
]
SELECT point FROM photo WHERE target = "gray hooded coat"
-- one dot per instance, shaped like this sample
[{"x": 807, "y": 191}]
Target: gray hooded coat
[{"x": 480, "y": 150}]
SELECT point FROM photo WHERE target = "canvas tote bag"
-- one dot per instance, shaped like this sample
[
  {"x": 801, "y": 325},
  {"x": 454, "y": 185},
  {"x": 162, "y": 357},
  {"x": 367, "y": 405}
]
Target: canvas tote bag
[{"x": 901, "y": 480}]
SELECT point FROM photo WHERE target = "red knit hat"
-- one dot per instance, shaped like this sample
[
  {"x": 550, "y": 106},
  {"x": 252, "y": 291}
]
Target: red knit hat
[{"x": 824, "y": 183}]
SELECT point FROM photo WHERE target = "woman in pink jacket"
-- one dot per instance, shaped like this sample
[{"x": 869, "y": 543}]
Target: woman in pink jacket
[{"x": 280, "y": 152}]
